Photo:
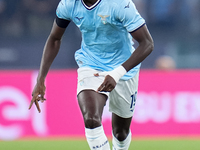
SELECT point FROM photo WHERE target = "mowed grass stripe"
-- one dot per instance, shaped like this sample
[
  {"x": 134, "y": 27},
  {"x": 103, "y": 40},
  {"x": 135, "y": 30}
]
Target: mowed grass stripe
[{"x": 163, "y": 144}]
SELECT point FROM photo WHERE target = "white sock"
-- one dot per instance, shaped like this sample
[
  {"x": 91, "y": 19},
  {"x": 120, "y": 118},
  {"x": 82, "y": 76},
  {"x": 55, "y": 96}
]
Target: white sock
[
  {"x": 97, "y": 139},
  {"x": 121, "y": 145}
]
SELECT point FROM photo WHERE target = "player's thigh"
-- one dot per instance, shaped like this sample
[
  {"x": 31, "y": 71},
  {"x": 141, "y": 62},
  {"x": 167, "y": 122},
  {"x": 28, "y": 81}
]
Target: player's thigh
[{"x": 91, "y": 103}]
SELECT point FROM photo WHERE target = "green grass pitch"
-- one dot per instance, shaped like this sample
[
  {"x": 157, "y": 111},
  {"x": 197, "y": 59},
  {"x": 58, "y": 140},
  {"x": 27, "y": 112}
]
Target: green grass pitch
[{"x": 67, "y": 144}]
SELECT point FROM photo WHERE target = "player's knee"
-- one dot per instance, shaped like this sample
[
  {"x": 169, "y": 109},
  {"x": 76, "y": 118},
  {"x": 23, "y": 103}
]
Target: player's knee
[
  {"x": 120, "y": 135},
  {"x": 92, "y": 122}
]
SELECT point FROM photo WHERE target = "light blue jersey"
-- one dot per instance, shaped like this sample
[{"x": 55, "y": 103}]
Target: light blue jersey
[{"x": 105, "y": 26}]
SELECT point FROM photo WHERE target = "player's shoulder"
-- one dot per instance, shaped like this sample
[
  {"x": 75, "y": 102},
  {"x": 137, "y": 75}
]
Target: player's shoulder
[
  {"x": 119, "y": 2},
  {"x": 65, "y": 9},
  {"x": 67, "y": 2},
  {"x": 122, "y": 3},
  {"x": 67, "y": 5}
]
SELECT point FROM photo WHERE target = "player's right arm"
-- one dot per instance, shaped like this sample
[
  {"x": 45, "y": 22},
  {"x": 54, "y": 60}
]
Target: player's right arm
[
  {"x": 51, "y": 48},
  {"x": 50, "y": 51}
]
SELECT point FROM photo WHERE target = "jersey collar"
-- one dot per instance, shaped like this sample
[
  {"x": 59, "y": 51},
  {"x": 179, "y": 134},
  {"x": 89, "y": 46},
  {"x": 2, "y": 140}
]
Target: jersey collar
[{"x": 91, "y": 7}]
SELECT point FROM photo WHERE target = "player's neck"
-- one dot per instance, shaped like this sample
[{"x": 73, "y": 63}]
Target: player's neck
[{"x": 89, "y": 3}]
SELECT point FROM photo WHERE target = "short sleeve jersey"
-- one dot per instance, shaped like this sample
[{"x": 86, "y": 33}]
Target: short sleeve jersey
[{"x": 105, "y": 26}]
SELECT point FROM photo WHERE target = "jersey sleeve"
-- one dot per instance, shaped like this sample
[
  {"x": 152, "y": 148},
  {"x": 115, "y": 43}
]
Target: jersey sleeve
[
  {"x": 63, "y": 10},
  {"x": 62, "y": 22},
  {"x": 129, "y": 16}
]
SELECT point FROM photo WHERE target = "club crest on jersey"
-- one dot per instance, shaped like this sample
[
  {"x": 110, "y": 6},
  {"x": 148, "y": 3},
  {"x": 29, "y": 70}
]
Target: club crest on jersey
[{"x": 103, "y": 18}]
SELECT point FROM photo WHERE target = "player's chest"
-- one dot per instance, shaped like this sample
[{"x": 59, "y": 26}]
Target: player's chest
[{"x": 95, "y": 19}]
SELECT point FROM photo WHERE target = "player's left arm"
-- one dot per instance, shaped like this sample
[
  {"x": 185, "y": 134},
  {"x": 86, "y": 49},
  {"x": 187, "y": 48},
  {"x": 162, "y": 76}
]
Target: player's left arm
[
  {"x": 146, "y": 46},
  {"x": 135, "y": 24}
]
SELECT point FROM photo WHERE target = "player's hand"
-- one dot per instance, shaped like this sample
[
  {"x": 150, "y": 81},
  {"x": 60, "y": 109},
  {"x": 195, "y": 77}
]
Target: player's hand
[
  {"x": 108, "y": 84},
  {"x": 38, "y": 95},
  {"x": 111, "y": 78}
]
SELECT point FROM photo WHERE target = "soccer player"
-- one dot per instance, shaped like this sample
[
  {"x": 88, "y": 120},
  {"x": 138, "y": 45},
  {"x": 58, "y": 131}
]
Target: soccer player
[{"x": 108, "y": 64}]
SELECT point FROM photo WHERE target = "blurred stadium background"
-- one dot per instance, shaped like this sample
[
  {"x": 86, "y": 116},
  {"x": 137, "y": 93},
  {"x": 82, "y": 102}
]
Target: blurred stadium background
[
  {"x": 24, "y": 28},
  {"x": 25, "y": 25}
]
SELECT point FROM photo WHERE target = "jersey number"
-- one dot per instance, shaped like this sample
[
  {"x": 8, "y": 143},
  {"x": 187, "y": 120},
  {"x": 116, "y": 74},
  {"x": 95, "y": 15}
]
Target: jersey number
[{"x": 133, "y": 100}]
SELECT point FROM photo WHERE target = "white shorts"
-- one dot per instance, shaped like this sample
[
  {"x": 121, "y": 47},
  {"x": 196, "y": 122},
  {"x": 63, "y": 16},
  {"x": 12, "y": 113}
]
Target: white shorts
[{"x": 122, "y": 98}]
